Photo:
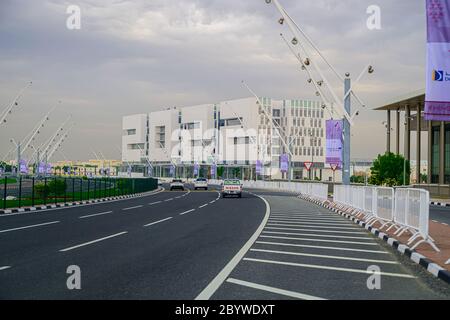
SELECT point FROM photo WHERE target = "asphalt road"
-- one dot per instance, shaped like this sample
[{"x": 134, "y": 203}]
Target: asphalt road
[
  {"x": 440, "y": 214},
  {"x": 137, "y": 254},
  {"x": 182, "y": 245}
]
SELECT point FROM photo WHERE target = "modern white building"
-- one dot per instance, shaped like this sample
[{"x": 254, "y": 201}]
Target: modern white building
[{"x": 229, "y": 138}]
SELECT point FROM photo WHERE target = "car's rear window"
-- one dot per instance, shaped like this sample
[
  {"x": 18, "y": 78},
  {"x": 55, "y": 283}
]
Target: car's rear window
[
  {"x": 176, "y": 181},
  {"x": 201, "y": 180},
  {"x": 231, "y": 182}
]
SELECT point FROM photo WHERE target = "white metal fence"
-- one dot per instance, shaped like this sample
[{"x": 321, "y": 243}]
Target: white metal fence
[{"x": 406, "y": 210}]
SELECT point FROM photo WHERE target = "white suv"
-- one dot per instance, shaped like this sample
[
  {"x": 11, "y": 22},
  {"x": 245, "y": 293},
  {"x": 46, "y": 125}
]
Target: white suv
[
  {"x": 200, "y": 183},
  {"x": 176, "y": 184}
]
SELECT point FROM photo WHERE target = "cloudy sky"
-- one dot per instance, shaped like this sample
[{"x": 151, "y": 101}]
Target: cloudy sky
[{"x": 142, "y": 55}]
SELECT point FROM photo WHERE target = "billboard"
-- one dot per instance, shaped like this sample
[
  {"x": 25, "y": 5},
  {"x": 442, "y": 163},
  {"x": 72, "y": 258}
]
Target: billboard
[
  {"x": 437, "y": 96},
  {"x": 23, "y": 167},
  {"x": 334, "y": 141}
]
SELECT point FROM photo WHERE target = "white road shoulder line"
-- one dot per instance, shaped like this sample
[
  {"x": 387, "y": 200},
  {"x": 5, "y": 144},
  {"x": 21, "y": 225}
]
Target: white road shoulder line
[
  {"x": 226, "y": 271},
  {"x": 312, "y": 266},
  {"x": 325, "y": 256},
  {"x": 4, "y": 268},
  {"x": 307, "y": 225},
  {"x": 282, "y": 292},
  {"x": 317, "y": 230},
  {"x": 131, "y": 208},
  {"x": 93, "y": 241},
  {"x": 203, "y": 206},
  {"x": 159, "y": 221},
  {"x": 94, "y": 215},
  {"x": 316, "y": 235},
  {"x": 183, "y": 213},
  {"x": 28, "y": 227}
]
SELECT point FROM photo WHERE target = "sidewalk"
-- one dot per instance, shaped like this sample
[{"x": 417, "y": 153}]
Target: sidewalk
[{"x": 439, "y": 232}]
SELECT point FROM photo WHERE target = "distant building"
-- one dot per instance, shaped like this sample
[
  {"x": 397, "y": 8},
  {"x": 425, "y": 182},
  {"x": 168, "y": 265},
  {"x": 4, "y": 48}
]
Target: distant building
[{"x": 231, "y": 134}]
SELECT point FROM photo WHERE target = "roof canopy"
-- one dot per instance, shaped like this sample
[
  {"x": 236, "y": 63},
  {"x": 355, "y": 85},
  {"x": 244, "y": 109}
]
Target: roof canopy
[{"x": 412, "y": 99}]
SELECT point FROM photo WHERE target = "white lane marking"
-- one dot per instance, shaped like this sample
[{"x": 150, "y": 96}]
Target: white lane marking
[
  {"x": 307, "y": 225},
  {"x": 317, "y": 235},
  {"x": 282, "y": 292},
  {"x": 183, "y": 213},
  {"x": 211, "y": 202},
  {"x": 435, "y": 221},
  {"x": 159, "y": 221},
  {"x": 322, "y": 240},
  {"x": 203, "y": 206},
  {"x": 305, "y": 218},
  {"x": 316, "y": 230},
  {"x": 308, "y": 213},
  {"x": 319, "y": 247},
  {"x": 167, "y": 200},
  {"x": 226, "y": 271},
  {"x": 153, "y": 203},
  {"x": 312, "y": 266},
  {"x": 28, "y": 227},
  {"x": 312, "y": 221},
  {"x": 94, "y": 215},
  {"x": 325, "y": 256},
  {"x": 4, "y": 268},
  {"x": 131, "y": 208},
  {"x": 93, "y": 241}
]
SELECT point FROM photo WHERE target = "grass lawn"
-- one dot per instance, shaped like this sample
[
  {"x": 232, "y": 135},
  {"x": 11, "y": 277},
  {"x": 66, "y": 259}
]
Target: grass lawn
[{"x": 8, "y": 180}]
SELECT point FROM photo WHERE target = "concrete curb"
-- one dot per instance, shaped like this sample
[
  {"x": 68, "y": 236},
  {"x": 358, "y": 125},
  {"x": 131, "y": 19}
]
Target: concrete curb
[
  {"x": 76, "y": 203},
  {"x": 440, "y": 204},
  {"x": 433, "y": 268}
]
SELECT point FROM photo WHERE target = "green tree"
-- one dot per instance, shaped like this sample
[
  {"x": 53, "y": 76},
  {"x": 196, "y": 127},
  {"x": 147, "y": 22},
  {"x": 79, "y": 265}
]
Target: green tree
[
  {"x": 357, "y": 179},
  {"x": 388, "y": 169},
  {"x": 57, "y": 187}
]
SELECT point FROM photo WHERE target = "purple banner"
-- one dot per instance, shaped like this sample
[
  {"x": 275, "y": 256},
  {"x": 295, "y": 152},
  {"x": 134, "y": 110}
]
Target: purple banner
[
  {"x": 437, "y": 97},
  {"x": 196, "y": 169},
  {"x": 23, "y": 167},
  {"x": 334, "y": 142},
  {"x": 48, "y": 170},
  {"x": 172, "y": 170},
  {"x": 258, "y": 167},
  {"x": 284, "y": 163},
  {"x": 213, "y": 170}
]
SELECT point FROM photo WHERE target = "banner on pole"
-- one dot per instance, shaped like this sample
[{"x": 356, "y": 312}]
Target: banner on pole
[
  {"x": 284, "y": 163},
  {"x": 437, "y": 96},
  {"x": 258, "y": 167},
  {"x": 213, "y": 170},
  {"x": 196, "y": 166},
  {"x": 334, "y": 142},
  {"x": 23, "y": 167}
]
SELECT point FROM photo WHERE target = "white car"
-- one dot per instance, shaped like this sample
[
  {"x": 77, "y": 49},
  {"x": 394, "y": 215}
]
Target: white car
[
  {"x": 200, "y": 183},
  {"x": 176, "y": 184},
  {"x": 231, "y": 187}
]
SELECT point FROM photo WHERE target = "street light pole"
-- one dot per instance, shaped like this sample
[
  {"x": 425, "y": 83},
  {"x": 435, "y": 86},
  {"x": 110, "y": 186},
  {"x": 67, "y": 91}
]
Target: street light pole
[{"x": 346, "y": 146}]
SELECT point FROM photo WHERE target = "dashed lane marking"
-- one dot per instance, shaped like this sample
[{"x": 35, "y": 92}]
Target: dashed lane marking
[
  {"x": 95, "y": 215},
  {"x": 183, "y": 213},
  {"x": 159, "y": 221},
  {"x": 28, "y": 227},
  {"x": 131, "y": 208},
  {"x": 93, "y": 241}
]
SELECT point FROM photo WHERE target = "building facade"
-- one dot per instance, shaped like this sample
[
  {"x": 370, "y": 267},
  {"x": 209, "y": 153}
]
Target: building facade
[{"x": 233, "y": 135}]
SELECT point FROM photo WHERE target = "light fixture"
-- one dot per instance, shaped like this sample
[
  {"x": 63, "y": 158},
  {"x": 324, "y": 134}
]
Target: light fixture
[
  {"x": 370, "y": 70},
  {"x": 317, "y": 93},
  {"x": 309, "y": 80},
  {"x": 319, "y": 83},
  {"x": 347, "y": 74},
  {"x": 281, "y": 21},
  {"x": 324, "y": 106},
  {"x": 303, "y": 67},
  {"x": 294, "y": 41},
  {"x": 268, "y": 1},
  {"x": 307, "y": 62}
]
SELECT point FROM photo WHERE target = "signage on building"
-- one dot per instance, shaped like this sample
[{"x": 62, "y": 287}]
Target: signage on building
[
  {"x": 258, "y": 167},
  {"x": 437, "y": 97},
  {"x": 334, "y": 141}
]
